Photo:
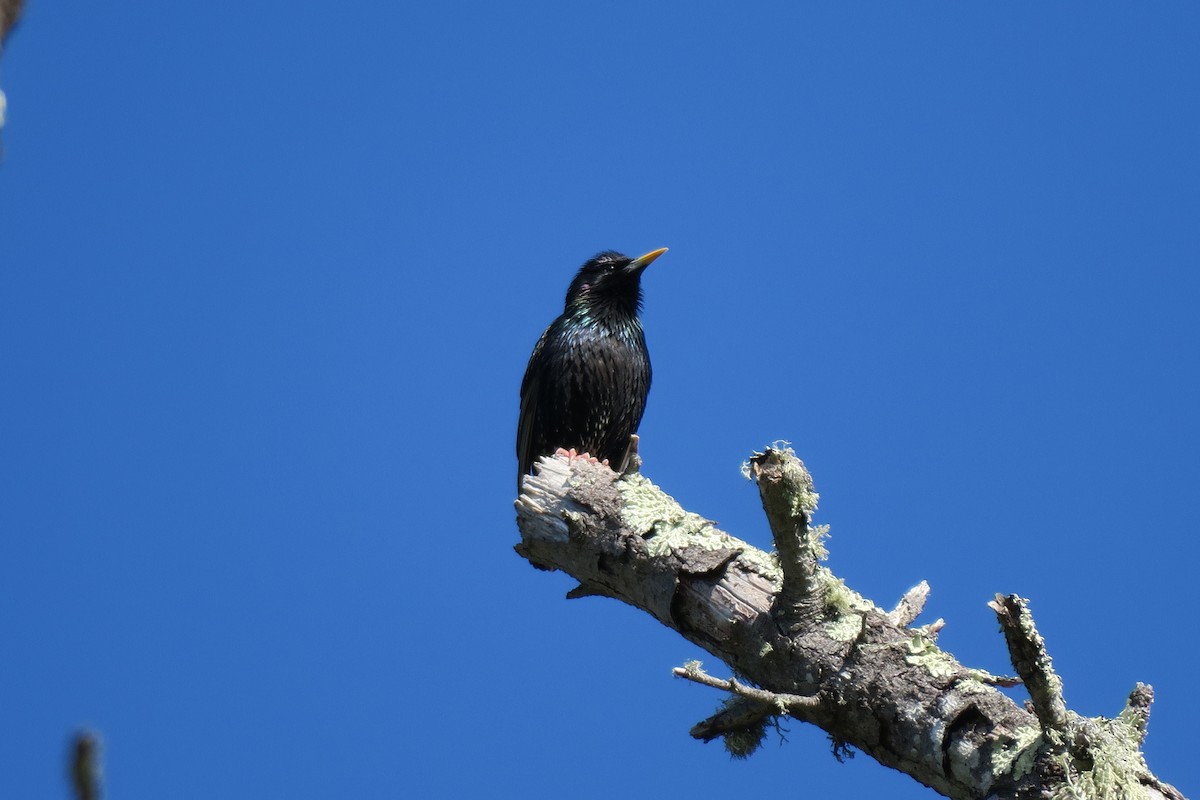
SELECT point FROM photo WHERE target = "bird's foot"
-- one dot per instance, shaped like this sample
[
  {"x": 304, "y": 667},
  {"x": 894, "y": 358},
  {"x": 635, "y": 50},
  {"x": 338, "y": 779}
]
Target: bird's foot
[{"x": 572, "y": 454}]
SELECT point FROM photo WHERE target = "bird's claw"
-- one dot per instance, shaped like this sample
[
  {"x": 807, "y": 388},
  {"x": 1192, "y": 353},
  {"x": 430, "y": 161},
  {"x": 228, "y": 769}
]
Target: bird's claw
[{"x": 572, "y": 454}]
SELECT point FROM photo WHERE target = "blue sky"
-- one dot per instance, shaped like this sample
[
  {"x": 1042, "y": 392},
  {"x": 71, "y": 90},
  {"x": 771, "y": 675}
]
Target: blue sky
[{"x": 271, "y": 274}]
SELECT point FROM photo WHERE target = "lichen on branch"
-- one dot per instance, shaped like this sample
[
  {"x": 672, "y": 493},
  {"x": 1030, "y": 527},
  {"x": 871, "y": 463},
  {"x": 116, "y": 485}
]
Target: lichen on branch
[{"x": 803, "y": 645}]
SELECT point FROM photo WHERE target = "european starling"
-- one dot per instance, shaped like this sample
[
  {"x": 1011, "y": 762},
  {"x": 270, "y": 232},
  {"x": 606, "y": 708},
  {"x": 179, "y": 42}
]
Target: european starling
[{"x": 586, "y": 384}]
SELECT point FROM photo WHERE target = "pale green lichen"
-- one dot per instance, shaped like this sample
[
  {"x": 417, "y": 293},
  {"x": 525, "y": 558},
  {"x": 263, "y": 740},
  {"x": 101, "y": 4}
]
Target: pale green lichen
[
  {"x": 645, "y": 506},
  {"x": 1114, "y": 748},
  {"x": 988, "y": 679},
  {"x": 817, "y": 535},
  {"x": 846, "y": 628},
  {"x": 1135, "y": 721},
  {"x": 844, "y": 606},
  {"x": 762, "y": 562},
  {"x": 839, "y": 598},
  {"x": 667, "y": 527},
  {"x": 922, "y": 652},
  {"x": 669, "y": 538},
  {"x": 1111, "y": 747},
  {"x": 972, "y": 685},
  {"x": 805, "y": 498},
  {"x": 663, "y": 523},
  {"x": 1018, "y": 755}
]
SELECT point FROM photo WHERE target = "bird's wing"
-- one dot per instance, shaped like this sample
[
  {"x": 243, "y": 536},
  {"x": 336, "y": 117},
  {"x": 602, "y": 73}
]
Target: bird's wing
[{"x": 530, "y": 389}]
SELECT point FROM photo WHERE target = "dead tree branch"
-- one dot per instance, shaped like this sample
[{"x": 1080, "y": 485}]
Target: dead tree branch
[
  {"x": 805, "y": 646},
  {"x": 84, "y": 767}
]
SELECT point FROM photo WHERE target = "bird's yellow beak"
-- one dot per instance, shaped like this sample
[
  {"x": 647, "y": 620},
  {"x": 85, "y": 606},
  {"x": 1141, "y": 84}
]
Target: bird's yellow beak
[{"x": 641, "y": 262}]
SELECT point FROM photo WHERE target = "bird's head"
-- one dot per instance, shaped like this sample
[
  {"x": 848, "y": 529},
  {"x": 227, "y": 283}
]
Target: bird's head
[{"x": 610, "y": 280}]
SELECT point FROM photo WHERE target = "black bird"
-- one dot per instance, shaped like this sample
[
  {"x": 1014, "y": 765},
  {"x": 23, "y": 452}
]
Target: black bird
[{"x": 586, "y": 384}]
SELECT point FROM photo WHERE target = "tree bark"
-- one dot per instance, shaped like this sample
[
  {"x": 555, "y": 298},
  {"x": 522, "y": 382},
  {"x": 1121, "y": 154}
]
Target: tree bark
[{"x": 803, "y": 645}]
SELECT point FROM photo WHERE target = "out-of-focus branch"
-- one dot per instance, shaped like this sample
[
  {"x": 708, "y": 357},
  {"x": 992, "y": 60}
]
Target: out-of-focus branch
[
  {"x": 84, "y": 768},
  {"x": 10, "y": 12}
]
